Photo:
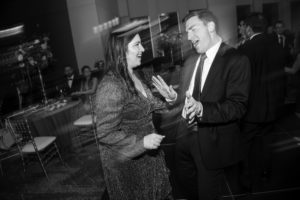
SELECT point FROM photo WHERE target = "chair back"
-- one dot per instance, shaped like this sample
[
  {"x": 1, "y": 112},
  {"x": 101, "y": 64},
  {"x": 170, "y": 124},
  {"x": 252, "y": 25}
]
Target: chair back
[{"x": 21, "y": 130}]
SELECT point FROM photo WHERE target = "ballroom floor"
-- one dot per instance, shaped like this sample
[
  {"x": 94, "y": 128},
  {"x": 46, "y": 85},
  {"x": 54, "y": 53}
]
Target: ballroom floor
[{"x": 82, "y": 178}]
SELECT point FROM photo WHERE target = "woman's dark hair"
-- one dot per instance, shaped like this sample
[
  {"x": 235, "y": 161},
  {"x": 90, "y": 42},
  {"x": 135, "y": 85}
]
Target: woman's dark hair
[
  {"x": 116, "y": 58},
  {"x": 85, "y": 67}
]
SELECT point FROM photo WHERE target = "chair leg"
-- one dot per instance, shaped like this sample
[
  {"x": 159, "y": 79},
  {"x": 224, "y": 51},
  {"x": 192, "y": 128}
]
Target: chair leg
[
  {"x": 23, "y": 163},
  {"x": 42, "y": 165},
  {"x": 57, "y": 151},
  {"x": 96, "y": 140},
  {"x": 78, "y": 137}
]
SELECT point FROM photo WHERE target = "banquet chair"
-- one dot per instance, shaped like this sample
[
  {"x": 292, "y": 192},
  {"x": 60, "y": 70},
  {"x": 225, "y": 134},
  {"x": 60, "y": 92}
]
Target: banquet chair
[
  {"x": 88, "y": 124},
  {"x": 42, "y": 148}
]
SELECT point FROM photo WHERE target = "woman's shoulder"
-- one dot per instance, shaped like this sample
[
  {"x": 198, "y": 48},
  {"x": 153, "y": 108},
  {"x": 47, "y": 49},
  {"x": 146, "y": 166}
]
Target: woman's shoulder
[{"x": 111, "y": 82}]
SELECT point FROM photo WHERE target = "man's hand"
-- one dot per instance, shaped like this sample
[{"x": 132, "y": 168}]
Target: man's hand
[
  {"x": 192, "y": 108},
  {"x": 166, "y": 91}
]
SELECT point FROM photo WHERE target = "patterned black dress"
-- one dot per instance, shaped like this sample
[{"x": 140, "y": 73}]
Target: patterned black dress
[{"x": 131, "y": 172}]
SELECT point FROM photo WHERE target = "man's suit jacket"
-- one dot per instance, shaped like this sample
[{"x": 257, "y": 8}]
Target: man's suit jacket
[
  {"x": 224, "y": 99},
  {"x": 268, "y": 79},
  {"x": 75, "y": 85}
]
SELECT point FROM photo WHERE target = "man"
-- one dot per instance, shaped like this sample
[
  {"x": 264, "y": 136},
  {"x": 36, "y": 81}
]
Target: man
[
  {"x": 279, "y": 28},
  {"x": 284, "y": 39},
  {"x": 213, "y": 100},
  {"x": 71, "y": 82},
  {"x": 241, "y": 33},
  {"x": 267, "y": 91}
]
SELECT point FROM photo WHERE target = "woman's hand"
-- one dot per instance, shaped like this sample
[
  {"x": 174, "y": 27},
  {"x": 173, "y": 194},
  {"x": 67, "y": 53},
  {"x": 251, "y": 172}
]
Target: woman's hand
[
  {"x": 166, "y": 91},
  {"x": 152, "y": 141}
]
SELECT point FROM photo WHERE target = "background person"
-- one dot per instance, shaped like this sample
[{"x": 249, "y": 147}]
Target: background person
[{"x": 88, "y": 87}]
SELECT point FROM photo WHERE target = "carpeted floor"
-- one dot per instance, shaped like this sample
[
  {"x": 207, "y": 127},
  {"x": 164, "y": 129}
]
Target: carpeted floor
[{"x": 80, "y": 178}]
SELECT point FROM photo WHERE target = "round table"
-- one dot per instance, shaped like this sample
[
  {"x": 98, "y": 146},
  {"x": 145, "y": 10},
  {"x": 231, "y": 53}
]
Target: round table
[{"x": 58, "y": 122}]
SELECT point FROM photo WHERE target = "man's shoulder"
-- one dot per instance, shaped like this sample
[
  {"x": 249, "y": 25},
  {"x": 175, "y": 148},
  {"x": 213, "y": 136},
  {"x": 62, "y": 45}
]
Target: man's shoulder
[{"x": 229, "y": 51}]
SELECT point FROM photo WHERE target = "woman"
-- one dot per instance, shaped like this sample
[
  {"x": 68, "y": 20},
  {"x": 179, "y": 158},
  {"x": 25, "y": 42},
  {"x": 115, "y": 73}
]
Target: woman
[
  {"x": 133, "y": 166},
  {"x": 88, "y": 88}
]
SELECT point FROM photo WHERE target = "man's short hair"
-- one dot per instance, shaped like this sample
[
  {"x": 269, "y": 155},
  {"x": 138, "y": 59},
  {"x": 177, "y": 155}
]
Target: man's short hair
[
  {"x": 257, "y": 22},
  {"x": 204, "y": 15},
  {"x": 278, "y": 22},
  {"x": 68, "y": 66}
]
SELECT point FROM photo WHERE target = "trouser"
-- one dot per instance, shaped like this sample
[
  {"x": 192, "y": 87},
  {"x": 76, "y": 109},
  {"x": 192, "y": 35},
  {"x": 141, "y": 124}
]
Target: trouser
[
  {"x": 195, "y": 180},
  {"x": 257, "y": 153}
]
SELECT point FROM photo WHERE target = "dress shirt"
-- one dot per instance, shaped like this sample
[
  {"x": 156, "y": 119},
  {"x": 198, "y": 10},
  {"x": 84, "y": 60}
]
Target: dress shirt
[
  {"x": 211, "y": 54},
  {"x": 281, "y": 40},
  {"x": 252, "y": 36},
  {"x": 70, "y": 81}
]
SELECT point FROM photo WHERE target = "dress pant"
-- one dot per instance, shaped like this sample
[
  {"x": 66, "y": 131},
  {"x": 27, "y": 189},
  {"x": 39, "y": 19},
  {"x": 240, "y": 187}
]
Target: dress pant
[
  {"x": 257, "y": 154},
  {"x": 194, "y": 179}
]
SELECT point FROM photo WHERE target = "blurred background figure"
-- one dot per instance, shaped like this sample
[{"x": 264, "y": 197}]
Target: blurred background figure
[
  {"x": 242, "y": 36},
  {"x": 284, "y": 38},
  {"x": 267, "y": 94},
  {"x": 88, "y": 86},
  {"x": 99, "y": 67},
  {"x": 294, "y": 72},
  {"x": 71, "y": 81}
]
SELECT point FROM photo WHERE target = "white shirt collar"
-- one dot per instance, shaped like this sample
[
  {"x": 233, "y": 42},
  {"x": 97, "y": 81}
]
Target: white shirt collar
[
  {"x": 212, "y": 51},
  {"x": 252, "y": 36}
]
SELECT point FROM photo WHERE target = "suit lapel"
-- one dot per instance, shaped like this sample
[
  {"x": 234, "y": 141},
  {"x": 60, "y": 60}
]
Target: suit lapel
[{"x": 217, "y": 63}]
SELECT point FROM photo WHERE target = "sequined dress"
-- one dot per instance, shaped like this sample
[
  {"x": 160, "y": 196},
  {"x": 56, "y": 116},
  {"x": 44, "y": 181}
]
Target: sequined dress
[{"x": 130, "y": 171}]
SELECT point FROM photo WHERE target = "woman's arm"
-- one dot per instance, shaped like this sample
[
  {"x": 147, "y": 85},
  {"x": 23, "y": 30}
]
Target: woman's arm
[
  {"x": 110, "y": 101},
  {"x": 90, "y": 91}
]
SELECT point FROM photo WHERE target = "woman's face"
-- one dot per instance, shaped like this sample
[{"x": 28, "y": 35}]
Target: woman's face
[
  {"x": 134, "y": 52},
  {"x": 86, "y": 72}
]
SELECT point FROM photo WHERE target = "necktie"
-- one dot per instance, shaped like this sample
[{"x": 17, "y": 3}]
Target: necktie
[{"x": 198, "y": 78}]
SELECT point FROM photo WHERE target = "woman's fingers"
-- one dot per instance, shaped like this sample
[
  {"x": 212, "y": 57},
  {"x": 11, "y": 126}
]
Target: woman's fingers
[
  {"x": 160, "y": 81},
  {"x": 156, "y": 81},
  {"x": 163, "y": 83}
]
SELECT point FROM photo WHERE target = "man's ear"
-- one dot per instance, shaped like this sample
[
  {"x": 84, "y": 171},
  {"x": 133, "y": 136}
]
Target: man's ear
[{"x": 211, "y": 26}]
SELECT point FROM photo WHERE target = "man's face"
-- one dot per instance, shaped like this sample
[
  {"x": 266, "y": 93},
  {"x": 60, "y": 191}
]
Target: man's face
[
  {"x": 68, "y": 71},
  {"x": 279, "y": 28},
  {"x": 242, "y": 29},
  {"x": 198, "y": 33}
]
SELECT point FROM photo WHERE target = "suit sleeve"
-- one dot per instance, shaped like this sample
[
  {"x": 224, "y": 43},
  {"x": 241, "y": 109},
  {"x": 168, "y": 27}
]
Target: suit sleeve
[
  {"x": 110, "y": 101},
  {"x": 233, "y": 106}
]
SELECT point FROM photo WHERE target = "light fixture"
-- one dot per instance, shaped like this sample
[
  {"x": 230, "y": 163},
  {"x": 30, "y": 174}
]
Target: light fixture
[{"x": 11, "y": 31}]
